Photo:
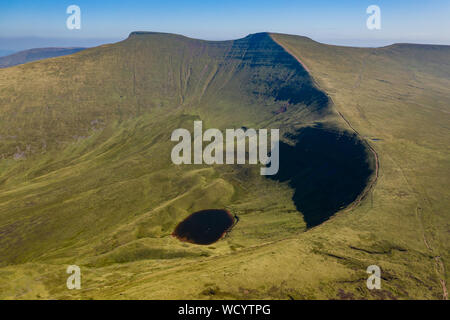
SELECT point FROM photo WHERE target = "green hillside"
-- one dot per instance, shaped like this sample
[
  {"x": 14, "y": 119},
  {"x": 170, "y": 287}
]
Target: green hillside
[
  {"x": 86, "y": 176},
  {"x": 30, "y": 55}
]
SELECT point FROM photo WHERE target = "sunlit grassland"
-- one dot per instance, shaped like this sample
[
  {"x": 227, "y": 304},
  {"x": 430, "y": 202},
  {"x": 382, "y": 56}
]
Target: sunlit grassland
[{"x": 86, "y": 176}]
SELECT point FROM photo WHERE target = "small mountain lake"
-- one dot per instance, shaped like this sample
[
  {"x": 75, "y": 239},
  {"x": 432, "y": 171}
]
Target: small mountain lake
[{"x": 204, "y": 227}]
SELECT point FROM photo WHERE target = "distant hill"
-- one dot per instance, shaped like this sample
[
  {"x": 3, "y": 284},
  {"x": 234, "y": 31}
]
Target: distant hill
[
  {"x": 86, "y": 176},
  {"x": 35, "y": 54}
]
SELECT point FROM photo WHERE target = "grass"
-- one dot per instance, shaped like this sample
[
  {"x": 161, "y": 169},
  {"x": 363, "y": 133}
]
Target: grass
[{"x": 86, "y": 179}]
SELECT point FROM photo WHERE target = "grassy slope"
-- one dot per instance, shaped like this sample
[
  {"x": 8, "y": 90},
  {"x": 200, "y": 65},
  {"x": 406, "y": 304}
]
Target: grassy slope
[
  {"x": 86, "y": 175},
  {"x": 95, "y": 186}
]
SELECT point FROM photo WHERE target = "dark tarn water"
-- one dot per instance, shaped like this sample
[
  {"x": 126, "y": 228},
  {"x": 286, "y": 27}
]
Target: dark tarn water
[
  {"x": 328, "y": 170},
  {"x": 204, "y": 227}
]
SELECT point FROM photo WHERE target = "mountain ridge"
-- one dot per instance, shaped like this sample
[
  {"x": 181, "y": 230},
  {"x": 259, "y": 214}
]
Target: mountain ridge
[{"x": 36, "y": 54}]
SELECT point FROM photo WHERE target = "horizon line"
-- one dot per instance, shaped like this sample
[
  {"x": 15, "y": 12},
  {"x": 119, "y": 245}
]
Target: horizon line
[{"x": 389, "y": 42}]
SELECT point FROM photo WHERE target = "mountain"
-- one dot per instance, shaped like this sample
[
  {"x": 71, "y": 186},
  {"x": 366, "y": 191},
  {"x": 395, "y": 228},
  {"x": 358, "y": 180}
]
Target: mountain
[
  {"x": 86, "y": 177},
  {"x": 35, "y": 54},
  {"x": 6, "y": 52}
]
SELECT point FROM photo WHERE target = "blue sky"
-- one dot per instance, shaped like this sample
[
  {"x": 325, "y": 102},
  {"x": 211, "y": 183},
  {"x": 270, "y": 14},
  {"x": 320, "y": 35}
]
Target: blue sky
[{"x": 30, "y": 23}]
